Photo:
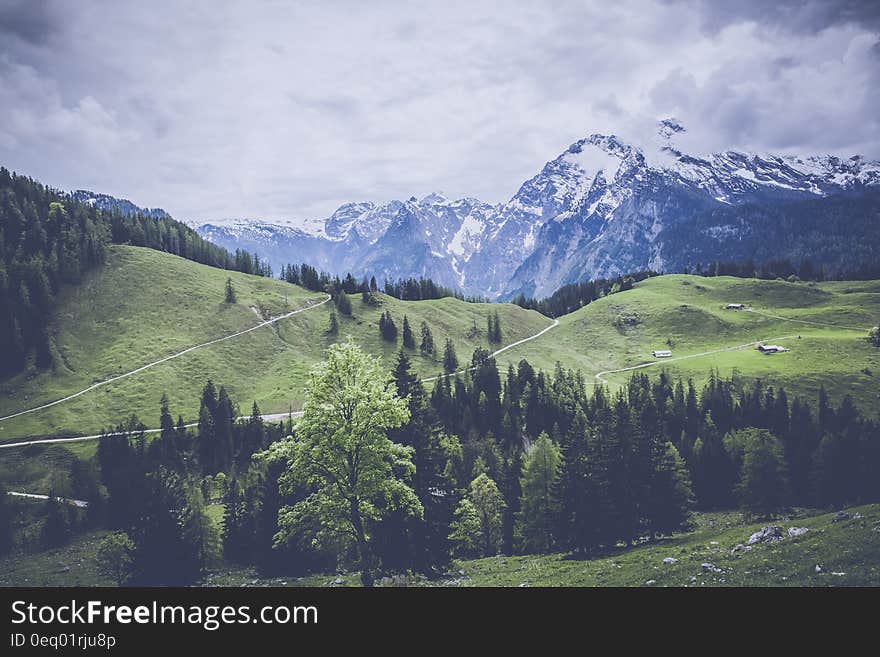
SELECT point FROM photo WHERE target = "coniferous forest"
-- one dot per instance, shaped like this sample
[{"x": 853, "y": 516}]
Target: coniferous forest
[
  {"x": 47, "y": 240},
  {"x": 491, "y": 462}
]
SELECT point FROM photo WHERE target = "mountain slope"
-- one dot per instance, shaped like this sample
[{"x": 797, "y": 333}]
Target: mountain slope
[
  {"x": 144, "y": 304},
  {"x": 601, "y": 208},
  {"x": 686, "y": 315}
]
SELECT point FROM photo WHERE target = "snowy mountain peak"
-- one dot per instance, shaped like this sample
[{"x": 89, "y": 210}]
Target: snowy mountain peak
[
  {"x": 669, "y": 127},
  {"x": 434, "y": 198},
  {"x": 603, "y": 206}
]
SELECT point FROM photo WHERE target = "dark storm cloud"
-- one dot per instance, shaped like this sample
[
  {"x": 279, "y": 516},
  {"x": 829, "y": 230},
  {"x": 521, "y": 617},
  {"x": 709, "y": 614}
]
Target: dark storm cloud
[
  {"x": 283, "y": 111},
  {"x": 792, "y": 15},
  {"x": 31, "y": 21}
]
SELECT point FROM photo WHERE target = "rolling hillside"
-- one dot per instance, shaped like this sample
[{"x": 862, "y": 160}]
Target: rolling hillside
[
  {"x": 145, "y": 305},
  {"x": 686, "y": 315}
]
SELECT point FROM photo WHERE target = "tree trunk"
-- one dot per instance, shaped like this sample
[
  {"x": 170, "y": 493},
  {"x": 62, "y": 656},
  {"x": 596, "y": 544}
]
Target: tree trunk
[{"x": 363, "y": 549}]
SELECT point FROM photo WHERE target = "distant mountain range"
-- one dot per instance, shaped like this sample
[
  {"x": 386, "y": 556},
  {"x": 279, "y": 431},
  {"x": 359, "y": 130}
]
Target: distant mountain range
[{"x": 601, "y": 208}]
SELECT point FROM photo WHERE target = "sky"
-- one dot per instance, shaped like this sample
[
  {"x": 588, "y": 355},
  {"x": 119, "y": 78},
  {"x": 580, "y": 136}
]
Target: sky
[{"x": 283, "y": 111}]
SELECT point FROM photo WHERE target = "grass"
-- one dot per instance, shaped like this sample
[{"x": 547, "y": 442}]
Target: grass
[
  {"x": 144, "y": 305},
  {"x": 72, "y": 565},
  {"x": 686, "y": 314},
  {"x": 850, "y": 547}
]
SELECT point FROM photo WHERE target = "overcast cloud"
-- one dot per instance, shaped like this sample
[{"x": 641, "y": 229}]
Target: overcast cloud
[{"x": 286, "y": 110}]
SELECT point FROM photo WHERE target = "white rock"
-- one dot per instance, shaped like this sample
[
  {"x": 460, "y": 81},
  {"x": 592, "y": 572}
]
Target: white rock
[
  {"x": 767, "y": 534},
  {"x": 670, "y": 560},
  {"x": 797, "y": 531}
]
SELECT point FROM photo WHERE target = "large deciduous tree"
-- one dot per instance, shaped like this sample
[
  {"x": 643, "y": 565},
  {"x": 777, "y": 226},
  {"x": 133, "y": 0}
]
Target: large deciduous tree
[{"x": 342, "y": 455}]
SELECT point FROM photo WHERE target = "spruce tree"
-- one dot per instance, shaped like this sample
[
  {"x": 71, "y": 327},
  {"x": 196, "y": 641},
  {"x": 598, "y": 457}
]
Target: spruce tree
[
  {"x": 538, "y": 505},
  {"x": 230, "y": 291},
  {"x": 343, "y": 303},
  {"x": 450, "y": 360},
  {"x": 387, "y": 327},
  {"x": 494, "y": 327},
  {"x": 427, "y": 344},
  {"x": 763, "y": 482},
  {"x": 235, "y": 536},
  {"x": 409, "y": 340},
  {"x": 423, "y": 434},
  {"x": 671, "y": 495},
  {"x": 333, "y": 327}
]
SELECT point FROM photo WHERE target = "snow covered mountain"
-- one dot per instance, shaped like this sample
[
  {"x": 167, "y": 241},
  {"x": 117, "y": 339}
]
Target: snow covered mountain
[{"x": 603, "y": 207}]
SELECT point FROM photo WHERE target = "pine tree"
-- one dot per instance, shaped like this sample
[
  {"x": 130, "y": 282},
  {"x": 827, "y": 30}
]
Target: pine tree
[
  {"x": 237, "y": 535},
  {"x": 422, "y": 433},
  {"x": 230, "y": 291},
  {"x": 224, "y": 432},
  {"x": 763, "y": 483},
  {"x": 671, "y": 496},
  {"x": 538, "y": 505},
  {"x": 333, "y": 327},
  {"x": 450, "y": 360},
  {"x": 343, "y": 303},
  {"x": 427, "y": 344},
  {"x": 494, "y": 327},
  {"x": 387, "y": 327},
  {"x": 199, "y": 534},
  {"x": 409, "y": 340}
]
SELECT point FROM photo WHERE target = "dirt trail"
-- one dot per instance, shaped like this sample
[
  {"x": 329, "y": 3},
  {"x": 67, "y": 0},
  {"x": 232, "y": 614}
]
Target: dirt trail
[
  {"x": 167, "y": 358},
  {"x": 272, "y": 417},
  {"x": 495, "y": 353}
]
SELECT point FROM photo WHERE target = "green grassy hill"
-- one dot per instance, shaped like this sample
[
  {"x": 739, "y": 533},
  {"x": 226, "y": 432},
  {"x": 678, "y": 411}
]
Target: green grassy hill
[
  {"x": 847, "y": 553},
  {"x": 686, "y": 314},
  {"x": 144, "y": 305}
]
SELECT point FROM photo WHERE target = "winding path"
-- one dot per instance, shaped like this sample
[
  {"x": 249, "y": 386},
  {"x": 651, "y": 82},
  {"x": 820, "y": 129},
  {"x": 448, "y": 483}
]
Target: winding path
[
  {"x": 271, "y": 417},
  {"x": 600, "y": 377},
  {"x": 167, "y": 358},
  {"x": 496, "y": 352},
  {"x": 804, "y": 321}
]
